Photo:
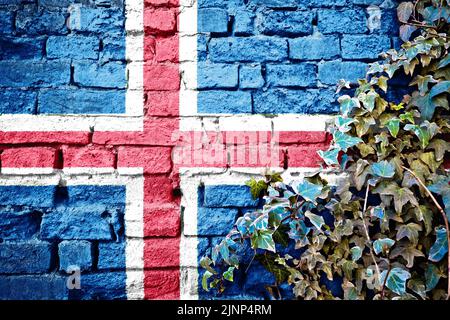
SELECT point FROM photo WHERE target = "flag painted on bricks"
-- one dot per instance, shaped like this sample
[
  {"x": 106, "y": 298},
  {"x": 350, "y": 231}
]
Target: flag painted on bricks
[{"x": 128, "y": 129}]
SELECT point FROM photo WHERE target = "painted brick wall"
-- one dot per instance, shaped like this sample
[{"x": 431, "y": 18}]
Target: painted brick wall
[{"x": 95, "y": 97}]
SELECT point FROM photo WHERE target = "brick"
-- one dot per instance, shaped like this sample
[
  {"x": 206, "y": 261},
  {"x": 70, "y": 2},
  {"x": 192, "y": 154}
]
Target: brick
[
  {"x": 285, "y": 101},
  {"x": 224, "y": 102},
  {"x": 305, "y": 156},
  {"x": 244, "y": 23},
  {"x": 31, "y": 157},
  {"x": 285, "y": 23},
  {"x": 30, "y": 21},
  {"x": 19, "y": 224},
  {"x": 162, "y": 2},
  {"x": 109, "y": 198},
  {"x": 167, "y": 49},
  {"x": 153, "y": 160},
  {"x": 250, "y": 77},
  {"x": 324, "y": 3},
  {"x": 21, "y": 48},
  {"x": 314, "y": 48},
  {"x": 111, "y": 255},
  {"x": 157, "y": 190},
  {"x": 97, "y": 20},
  {"x": 81, "y": 101},
  {"x": 229, "y": 196},
  {"x": 215, "y": 221},
  {"x": 364, "y": 47},
  {"x": 25, "y": 257},
  {"x": 6, "y": 22},
  {"x": 44, "y": 137},
  {"x": 160, "y": 20},
  {"x": 109, "y": 75},
  {"x": 389, "y": 23},
  {"x": 346, "y": 21},
  {"x": 217, "y": 75},
  {"x": 161, "y": 77},
  {"x": 326, "y": 102},
  {"x": 75, "y": 254},
  {"x": 331, "y": 72},
  {"x": 367, "y": 2},
  {"x": 17, "y": 102},
  {"x": 91, "y": 156},
  {"x": 34, "y": 74},
  {"x": 212, "y": 20},
  {"x": 33, "y": 287},
  {"x": 276, "y": 3},
  {"x": 114, "y": 48},
  {"x": 162, "y": 284},
  {"x": 162, "y": 103},
  {"x": 298, "y": 75},
  {"x": 253, "y": 49},
  {"x": 202, "y": 46},
  {"x": 81, "y": 223},
  {"x": 161, "y": 221},
  {"x": 102, "y": 286},
  {"x": 160, "y": 253},
  {"x": 34, "y": 198},
  {"x": 76, "y": 47}
]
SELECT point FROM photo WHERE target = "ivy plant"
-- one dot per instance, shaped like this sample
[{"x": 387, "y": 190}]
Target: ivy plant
[{"x": 381, "y": 230}]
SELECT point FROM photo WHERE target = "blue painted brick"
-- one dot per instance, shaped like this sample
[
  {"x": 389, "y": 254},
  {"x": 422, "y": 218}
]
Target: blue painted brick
[
  {"x": 215, "y": 221},
  {"x": 229, "y": 196},
  {"x": 323, "y": 3},
  {"x": 111, "y": 255},
  {"x": 367, "y": 2},
  {"x": 253, "y": 49},
  {"x": 326, "y": 102},
  {"x": 347, "y": 21},
  {"x": 101, "y": 286},
  {"x": 19, "y": 224},
  {"x": 30, "y": 21},
  {"x": 91, "y": 195},
  {"x": 397, "y": 43},
  {"x": 203, "y": 247},
  {"x": 389, "y": 23},
  {"x": 80, "y": 223},
  {"x": 294, "y": 75},
  {"x": 57, "y": 3},
  {"x": 229, "y": 4},
  {"x": 331, "y": 72},
  {"x": 244, "y": 22},
  {"x": 224, "y": 102},
  {"x": 250, "y": 77},
  {"x": 33, "y": 197},
  {"x": 364, "y": 47},
  {"x": 75, "y": 254},
  {"x": 81, "y": 101},
  {"x": 113, "y": 48},
  {"x": 291, "y": 23},
  {"x": 212, "y": 20},
  {"x": 314, "y": 48},
  {"x": 21, "y": 48},
  {"x": 216, "y": 75},
  {"x": 17, "y": 102},
  {"x": 42, "y": 287},
  {"x": 109, "y": 75},
  {"x": 202, "y": 46},
  {"x": 76, "y": 47},
  {"x": 29, "y": 73},
  {"x": 98, "y": 20},
  {"x": 256, "y": 279},
  {"x": 6, "y": 22},
  {"x": 284, "y": 101},
  {"x": 25, "y": 257},
  {"x": 275, "y": 3}
]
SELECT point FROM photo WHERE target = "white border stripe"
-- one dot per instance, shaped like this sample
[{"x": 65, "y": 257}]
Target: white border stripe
[
  {"x": 132, "y": 120},
  {"x": 134, "y": 211}
]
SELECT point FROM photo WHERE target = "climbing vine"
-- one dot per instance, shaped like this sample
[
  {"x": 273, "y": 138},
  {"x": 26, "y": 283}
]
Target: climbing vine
[{"x": 379, "y": 228}]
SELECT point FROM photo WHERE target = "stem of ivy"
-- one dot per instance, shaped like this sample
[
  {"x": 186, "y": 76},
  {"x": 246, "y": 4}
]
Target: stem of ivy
[
  {"x": 384, "y": 282},
  {"x": 445, "y": 221},
  {"x": 366, "y": 229}
]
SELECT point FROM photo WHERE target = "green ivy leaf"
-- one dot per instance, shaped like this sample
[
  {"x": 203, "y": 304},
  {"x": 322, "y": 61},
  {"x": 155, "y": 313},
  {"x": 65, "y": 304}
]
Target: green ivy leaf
[
  {"x": 330, "y": 157},
  {"x": 444, "y": 62},
  {"x": 410, "y": 231},
  {"x": 396, "y": 280},
  {"x": 377, "y": 212},
  {"x": 356, "y": 253},
  {"x": 408, "y": 253},
  {"x": 425, "y": 132},
  {"x": 309, "y": 191},
  {"x": 432, "y": 277},
  {"x": 383, "y": 169},
  {"x": 401, "y": 195},
  {"x": 440, "y": 248},
  {"x": 262, "y": 239},
  {"x": 442, "y": 188},
  {"x": 316, "y": 220},
  {"x": 382, "y": 245},
  {"x": 345, "y": 141},
  {"x": 205, "y": 279},
  {"x": 348, "y": 104},
  {"x": 343, "y": 124},
  {"x": 228, "y": 275},
  {"x": 393, "y": 126}
]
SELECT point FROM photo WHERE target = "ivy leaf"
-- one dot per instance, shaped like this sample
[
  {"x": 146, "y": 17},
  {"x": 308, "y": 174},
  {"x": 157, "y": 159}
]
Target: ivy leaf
[
  {"x": 442, "y": 188},
  {"x": 228, "y": 275},
  {"x": 404, "y": 11},
  {"x": 382, "y": 245},
  {"x": 444, "y": 62},
  {"x": 205, "y": 279},
  {"x": 396, "y": 280},
  {"x": 348, "y": 104},
  {"x": 432, "y": 277},
  {"x": 425, "y": 132},
  {"x": 393, "y": 126},
  {"x": 401, "y": 195},
  {"x": 440, "y": 147},
  {"x": 263, "y": 239},
  {"x": 368, "y": 100},
  {"x": 205, "y": 263},
  {"x": 383, "y": 169},
  {"x": 269, "y": 263},
  {"x": 377, "y": 212},
  {"x": 410, "y": 231},
  {"x": 426, "y": 104},
  {"x": 330, "y": 157},
  {"x": 345, "y": 141},
  {"x": 343, "y": 124},
  {"x": 356, "y": 253},
  {"x": 405, "y": 32},
  {"x": 439, "y": 249},
  {"x": 408, "y": 253},
  {"x": 309, "y": 191},
  {"x": 316, "y": 220},
  {"x": 424, "y": 214}
]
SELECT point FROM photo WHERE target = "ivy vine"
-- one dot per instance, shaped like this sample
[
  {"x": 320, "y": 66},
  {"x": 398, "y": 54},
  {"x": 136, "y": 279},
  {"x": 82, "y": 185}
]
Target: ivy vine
[{"x": 381, "y": 229}]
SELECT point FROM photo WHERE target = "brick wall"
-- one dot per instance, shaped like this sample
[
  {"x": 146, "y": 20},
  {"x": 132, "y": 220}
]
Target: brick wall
[{"x": 89, "y": 108}]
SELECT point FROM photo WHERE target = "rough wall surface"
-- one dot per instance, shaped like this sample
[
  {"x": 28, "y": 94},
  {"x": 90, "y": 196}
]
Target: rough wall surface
[{"x": 129, "y": 127}]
